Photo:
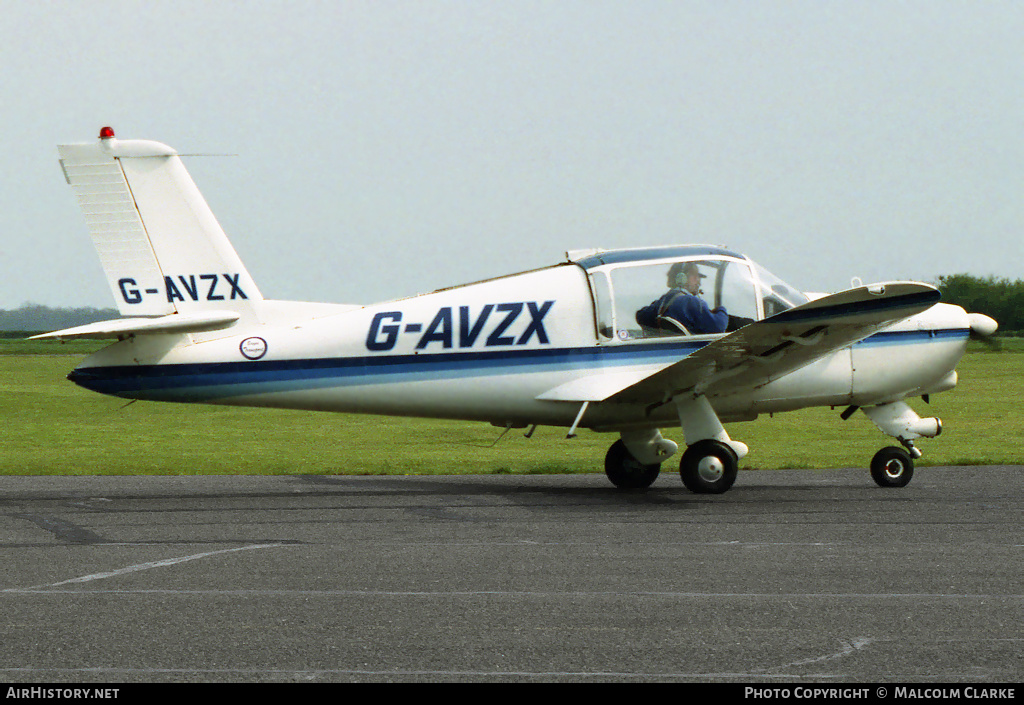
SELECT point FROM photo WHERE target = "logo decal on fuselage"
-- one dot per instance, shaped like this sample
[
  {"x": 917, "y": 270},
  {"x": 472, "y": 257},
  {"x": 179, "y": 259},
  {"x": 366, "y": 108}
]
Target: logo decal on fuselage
[
  {"x": 253, "y": 348},
  {"x": 462, "y": 329}
]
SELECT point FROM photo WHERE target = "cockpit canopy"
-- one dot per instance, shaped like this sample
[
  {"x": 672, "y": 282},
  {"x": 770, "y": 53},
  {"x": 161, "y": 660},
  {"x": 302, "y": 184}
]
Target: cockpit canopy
[{"x": 657, "y": 281}]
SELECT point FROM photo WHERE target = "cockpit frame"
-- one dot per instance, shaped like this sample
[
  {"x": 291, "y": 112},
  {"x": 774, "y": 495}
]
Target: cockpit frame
[{"x": 622, "y": 281}]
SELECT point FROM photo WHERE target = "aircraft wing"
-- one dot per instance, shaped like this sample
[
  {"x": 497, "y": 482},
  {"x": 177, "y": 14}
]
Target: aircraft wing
[{"x": 766, "y": 350}]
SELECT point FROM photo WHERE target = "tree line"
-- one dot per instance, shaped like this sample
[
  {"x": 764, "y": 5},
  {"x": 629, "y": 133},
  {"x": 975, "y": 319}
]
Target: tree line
[
  {"x": 36, "y": 318},
  {"x": 999, "y": 298}
]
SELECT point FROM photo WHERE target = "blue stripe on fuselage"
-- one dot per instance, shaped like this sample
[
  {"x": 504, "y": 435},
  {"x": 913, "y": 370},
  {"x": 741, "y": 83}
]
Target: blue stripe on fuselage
[
  {"x": 215, "y": 380},
  {"x": 223, "y": 379},
  {"x": 915, "y": 336}
]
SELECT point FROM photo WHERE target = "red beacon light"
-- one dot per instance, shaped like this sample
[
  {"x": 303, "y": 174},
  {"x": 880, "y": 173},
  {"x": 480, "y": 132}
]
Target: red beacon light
[{"x": 106, "y": 133}]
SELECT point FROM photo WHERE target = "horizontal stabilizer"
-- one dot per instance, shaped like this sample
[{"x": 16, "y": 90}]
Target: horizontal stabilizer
[{"x": 124, "y": 327}]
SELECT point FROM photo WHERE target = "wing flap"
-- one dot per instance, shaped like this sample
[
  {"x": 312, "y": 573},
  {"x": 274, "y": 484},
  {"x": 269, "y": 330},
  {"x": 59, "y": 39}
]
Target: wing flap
[
  {"x": 766, "y": 350},
  {"x": 124, "y": 327}
]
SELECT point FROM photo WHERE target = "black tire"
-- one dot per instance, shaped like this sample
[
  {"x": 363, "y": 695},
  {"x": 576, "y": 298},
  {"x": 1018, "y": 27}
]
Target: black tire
[
  {"x": 892, "y": 467},
  {"x": 625, "y": 471},
  {"x": 709, "y": 467}
]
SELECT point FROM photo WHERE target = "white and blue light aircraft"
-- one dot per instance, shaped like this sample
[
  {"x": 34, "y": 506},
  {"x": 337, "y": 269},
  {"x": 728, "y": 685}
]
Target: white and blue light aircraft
[{"x": 557, "y": 346}]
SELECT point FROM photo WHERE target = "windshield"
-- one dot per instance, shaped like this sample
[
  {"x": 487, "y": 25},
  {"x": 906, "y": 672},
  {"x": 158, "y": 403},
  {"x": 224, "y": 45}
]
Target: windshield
[{"x": 776, "y": 295}]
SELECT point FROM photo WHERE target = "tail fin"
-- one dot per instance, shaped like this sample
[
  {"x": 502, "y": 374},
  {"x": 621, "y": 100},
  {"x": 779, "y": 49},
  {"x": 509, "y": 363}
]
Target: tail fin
[{"x": 160, "y": 245}]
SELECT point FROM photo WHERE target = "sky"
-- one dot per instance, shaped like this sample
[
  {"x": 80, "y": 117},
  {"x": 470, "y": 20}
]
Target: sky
[{"x": 380, "y": 149}]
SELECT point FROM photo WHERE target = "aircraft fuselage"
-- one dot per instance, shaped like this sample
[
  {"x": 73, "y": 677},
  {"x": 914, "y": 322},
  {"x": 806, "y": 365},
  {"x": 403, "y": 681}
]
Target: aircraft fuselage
[{"x": 485, "y": 352}]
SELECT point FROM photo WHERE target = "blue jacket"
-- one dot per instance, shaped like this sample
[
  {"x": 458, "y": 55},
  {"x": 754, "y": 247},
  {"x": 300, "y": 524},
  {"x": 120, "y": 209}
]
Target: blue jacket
[{"x": 692, "y": 311}]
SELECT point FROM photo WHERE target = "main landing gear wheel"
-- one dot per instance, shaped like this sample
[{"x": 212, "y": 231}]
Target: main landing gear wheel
[
  {"x": 892, "y": 467},
  {"x": 625, "y": 471},
  {"x": 708, "y": 467}
]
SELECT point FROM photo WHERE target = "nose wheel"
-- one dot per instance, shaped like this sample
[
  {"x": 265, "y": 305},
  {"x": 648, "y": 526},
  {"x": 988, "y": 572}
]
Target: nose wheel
[{"x": 892, "y": 467}]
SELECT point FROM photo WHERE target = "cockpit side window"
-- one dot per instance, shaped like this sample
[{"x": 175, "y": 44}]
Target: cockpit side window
[
  {"x": 687, "y": 297},
  {"x": 634, "y": 287}
]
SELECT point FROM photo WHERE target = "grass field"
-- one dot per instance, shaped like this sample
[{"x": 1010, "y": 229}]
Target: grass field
[{"x": 52, "y": 427}]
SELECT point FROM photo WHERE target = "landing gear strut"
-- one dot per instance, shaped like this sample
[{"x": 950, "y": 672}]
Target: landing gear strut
[
  {"x": 894, "y": 466},
  {"x": 709, "y": 465}
]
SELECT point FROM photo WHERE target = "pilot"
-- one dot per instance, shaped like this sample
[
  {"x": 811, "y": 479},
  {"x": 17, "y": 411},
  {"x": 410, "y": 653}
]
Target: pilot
[{"x": 681, "y": 309}]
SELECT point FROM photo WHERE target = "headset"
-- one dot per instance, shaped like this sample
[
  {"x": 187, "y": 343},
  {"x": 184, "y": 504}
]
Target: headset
[{"x": 679, "y": 274}]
